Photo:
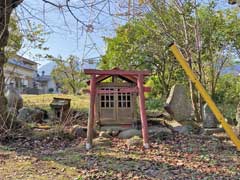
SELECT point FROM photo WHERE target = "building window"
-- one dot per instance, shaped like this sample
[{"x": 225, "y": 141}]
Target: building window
[
  {"x": 124, "y": 100},
  {"x": 107, "y": 99}
]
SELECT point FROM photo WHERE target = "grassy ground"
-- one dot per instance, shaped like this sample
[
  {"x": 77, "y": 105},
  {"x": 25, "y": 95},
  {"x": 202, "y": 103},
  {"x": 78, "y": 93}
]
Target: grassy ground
[
  {"x": 53, "y": 154},
  {"x": 43, "y": 101}
]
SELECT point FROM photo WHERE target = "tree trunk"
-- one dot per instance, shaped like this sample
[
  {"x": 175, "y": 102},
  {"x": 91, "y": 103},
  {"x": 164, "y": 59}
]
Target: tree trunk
[
  {"x": 194, "y": 101},
  {"x": 6, "y": 7}
]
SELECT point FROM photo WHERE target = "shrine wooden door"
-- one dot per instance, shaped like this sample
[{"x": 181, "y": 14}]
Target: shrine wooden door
[{"x": 115, "y": 108}]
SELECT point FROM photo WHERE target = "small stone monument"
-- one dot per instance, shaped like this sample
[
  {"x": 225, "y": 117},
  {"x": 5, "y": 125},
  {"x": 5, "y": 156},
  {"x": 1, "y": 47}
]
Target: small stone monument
[
  {"x": 178, "y": 103},
  {"x": 209, "y": 119},
  {"x": 14, "y": 99}
]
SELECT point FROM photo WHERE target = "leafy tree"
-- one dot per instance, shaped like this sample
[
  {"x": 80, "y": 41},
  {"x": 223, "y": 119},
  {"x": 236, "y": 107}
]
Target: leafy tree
[
  {"x": 180, "y": 21},
  {"x": 12, "y": 39},
  {"x": 137, "y": 47},
  {"x": 15, "y": 38},
  {"x": 6, "y": 7},
  {"x": 33, "y": 38},
  {"x": 227, "y": 94},
  {"x": 206, "y": 36},
  {"x": 68, "y": 74},
  {"x": 219, "y": 45}
]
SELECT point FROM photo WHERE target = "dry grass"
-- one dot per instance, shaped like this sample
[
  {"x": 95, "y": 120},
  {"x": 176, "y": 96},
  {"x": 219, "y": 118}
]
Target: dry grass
[
  {"x": 43, "y": 101},
  {"x": 29, "y": 168}
]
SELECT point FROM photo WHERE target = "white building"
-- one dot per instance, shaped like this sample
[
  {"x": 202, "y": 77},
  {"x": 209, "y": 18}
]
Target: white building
[
  {"x": 46, "y": 84},
  {"x": 20, "y": 72}
]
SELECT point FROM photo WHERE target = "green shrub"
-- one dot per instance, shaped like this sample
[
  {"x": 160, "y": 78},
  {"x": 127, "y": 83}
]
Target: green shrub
[
  {"x": 50, "y": 90},
  {"x": 155, "y": 103},
  {"x": 227, "y": 94}
]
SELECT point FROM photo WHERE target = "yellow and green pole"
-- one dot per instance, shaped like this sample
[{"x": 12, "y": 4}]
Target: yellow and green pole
[{"x": 180, "y": 58}]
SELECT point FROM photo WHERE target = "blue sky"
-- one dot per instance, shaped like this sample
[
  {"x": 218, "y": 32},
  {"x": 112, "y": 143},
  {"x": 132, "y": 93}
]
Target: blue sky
[{"x": 66, "y": 36}]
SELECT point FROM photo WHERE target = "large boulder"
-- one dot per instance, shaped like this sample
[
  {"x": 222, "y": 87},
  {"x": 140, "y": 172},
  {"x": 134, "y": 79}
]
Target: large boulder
[
  {"x": 161, "y": 133},
  {"x": 134, "y": 141},
  {"x": 45, "y": 112},
  {"x": 157, "y": 129},
  {"x": 30, "y": 114},
  {"x": 129, "y": 133},
  {"x": 113, "y": 128},
  {"x": 14, "y": 99},
  {"x": 178, "y": 104},
  {"x": 101, "y": 141},
  {"x": 209, "y": 119},
  {"x": 105, "y": 134},
  {"x": 182, "y": 129},
  {"x": 79, "y": 131},
  {"x": 188, "y": 127},
  {"x": 109, "y": 133}
]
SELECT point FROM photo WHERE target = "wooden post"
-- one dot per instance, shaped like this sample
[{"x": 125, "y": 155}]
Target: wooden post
[
  {"x": 91, "y": 112},
  {"x": 143, "y": 111}
]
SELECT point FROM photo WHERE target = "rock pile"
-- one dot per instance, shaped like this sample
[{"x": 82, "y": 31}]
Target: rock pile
[{"x": 31, "y": 114}]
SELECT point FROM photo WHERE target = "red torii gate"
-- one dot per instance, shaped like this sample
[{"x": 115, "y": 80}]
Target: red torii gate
[{"x": 140, "y": 89}]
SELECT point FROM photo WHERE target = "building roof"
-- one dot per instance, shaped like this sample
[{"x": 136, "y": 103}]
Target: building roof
[
  {"x": 26, "y": 60},
  {"x": 16, "y": 62},
  {"x": 22, "y": 62}
]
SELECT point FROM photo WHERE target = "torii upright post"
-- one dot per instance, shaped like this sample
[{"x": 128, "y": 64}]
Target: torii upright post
[
  {"x": 91, "y": 112},
  {"x": 143, "y": 111}
]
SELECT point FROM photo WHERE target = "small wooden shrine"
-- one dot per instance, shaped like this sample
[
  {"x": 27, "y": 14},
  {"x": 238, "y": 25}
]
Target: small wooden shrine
[
  {"x": 60, "y": 107},
  {"x": 113, "y": 97}
]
